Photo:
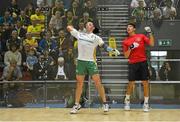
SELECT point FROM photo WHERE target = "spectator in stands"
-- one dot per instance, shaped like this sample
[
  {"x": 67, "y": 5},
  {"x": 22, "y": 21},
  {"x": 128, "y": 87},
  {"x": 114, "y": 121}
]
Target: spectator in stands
[
  {"x": 14, "y": 8},
  {"x": 61, "y": 70},
  {"x": 85, "y": 18},
  {"x": 40, "y": 17},
  {"x": 89, "y": 8},
  {"x": 81, "y": 27},
  {"x": 6, "y": 18},
  {"x": 29, "y": 10},
  {"x": 58, "y": 7},
  {"x": 135, "y": 4},
  {"x": 52, "y": 29},
  {"x": 152, "y": 73},
  {"x": 41, "y": 3},
  {"x": 165, "y": 71},
  {"x": 14, "y": 54},
  {"x": 56, "y": 20},
  {"x": 12, "y": 72},
  {"x": 49, "y": 62},
  {"x": 35, "y": 29},
  {"x": 75, "y": 10},
  {"x": 31, "y": 60},
  {"x": 156, "y": 15},
  {"x": 14, "y": 40},
  {"x": 69, "y": 20},
  {"x": 64, "y": 44},
  {"x": 20, "y": 29},
  {"x": 7, "y": 30},
  {"x": 139, "y": 13},
  {"x": 47, "y": 43},
  {"x": 3, "y": 47},
  {"x": 31, "y": 42},
  {"x": 169, "y": 12},
  {"x": 40, "y": 69},
  {"x": 24, "y": 19}
]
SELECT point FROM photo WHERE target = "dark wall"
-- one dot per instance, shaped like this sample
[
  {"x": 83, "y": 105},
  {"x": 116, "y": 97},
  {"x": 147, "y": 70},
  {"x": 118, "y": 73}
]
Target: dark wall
[{"x": 168, "y": 30}]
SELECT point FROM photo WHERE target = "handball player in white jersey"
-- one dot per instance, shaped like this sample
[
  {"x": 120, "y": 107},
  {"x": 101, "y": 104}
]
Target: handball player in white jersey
[{"x": 86, "y": 63}]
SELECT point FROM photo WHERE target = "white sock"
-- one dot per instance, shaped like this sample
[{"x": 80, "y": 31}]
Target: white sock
[
  {"x": 146, "y": 99},
  {"x": 77, "y": 103},
  {"x": 127, "y": 97}
]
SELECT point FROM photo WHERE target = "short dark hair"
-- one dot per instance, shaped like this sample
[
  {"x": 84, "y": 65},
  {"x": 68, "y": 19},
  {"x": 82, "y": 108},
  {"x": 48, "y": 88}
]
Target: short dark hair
[{"x": 132, "y": 24}]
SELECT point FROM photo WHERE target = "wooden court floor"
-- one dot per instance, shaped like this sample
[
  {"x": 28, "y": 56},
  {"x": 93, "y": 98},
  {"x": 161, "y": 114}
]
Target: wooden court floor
[{"x": 88, "y": 115}]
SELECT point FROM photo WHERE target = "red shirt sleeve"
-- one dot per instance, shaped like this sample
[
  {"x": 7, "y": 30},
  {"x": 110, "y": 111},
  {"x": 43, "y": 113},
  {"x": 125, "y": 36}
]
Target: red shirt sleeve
[{"x": 146, "y": 40}]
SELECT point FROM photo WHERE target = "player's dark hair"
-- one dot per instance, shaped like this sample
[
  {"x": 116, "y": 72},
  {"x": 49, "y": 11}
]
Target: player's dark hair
[{"x": 132, "y": 24}]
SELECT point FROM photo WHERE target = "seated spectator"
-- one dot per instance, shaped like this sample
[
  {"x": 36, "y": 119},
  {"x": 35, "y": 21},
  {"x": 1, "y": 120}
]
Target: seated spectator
[
  {"x": 152, "y": 73},
  {"x": 89, "y": 8},
  {"x": 64, "y": 44},
  {"x": 135, "y": 4},
  {"x": 12, "y": 72},
  {"x": 69, "y": 20},
  {"x": 169, "y": 12},
  {"x": 139, "y": 13},
  {"x": 75, "y": 10},
  {"x": 85, "y": 18},
  {"x": 53, "y": 30},
  {"x": 31, "y": 60},
  {"x": 58, "y": 7},
  {"x": 20, "y": 30},
  {"x": 5, "y": 33},
  {"x": 61, "y": 70},
  {"x": 6, "y": 18},
  {"x": 30, "y": 41},
  {"x": 156, "y": 15},
  {"x": 14, "y": 40},
  {"x": 14, "y": 8},
  {"x": 47, "y": 43},
  {"x": 81, "y": 27},
  {"x": 164, "y": 72},
  {"x": 40, "y": 3},
  {"x": 42, "y": 70},
  {"x": 56, "y": 20},
  {"x": 14, "y": 54},
  {"x": 24, "y": 19},
  {"x": 29, "y": 10},
  {"x": 40, "y": 17},
  {"x": 35, "y": 29}
]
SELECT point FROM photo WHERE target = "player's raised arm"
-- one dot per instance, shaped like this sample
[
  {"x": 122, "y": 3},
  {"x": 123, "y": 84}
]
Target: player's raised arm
[{"x": 73, "y": 31}]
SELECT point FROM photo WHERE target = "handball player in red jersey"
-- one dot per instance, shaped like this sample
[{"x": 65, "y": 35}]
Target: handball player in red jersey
[{"x": 134, "y": 50}]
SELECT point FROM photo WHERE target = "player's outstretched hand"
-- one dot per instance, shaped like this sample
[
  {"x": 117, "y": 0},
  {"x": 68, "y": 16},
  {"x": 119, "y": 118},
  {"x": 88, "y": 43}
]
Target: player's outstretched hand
[{"x": 115, "y": 52}]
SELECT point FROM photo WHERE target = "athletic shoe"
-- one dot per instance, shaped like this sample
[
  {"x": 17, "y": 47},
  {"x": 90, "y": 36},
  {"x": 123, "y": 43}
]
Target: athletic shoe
[
  {"x": 127, "y": 105},
  {"x": 146, "y": 107},
  {"x": 105, "y": 107},
  {"x": 75, "y": 108}
]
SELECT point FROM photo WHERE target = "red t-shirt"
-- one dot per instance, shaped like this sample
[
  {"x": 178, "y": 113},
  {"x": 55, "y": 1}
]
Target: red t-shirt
[{"x": 138, "y": 54}]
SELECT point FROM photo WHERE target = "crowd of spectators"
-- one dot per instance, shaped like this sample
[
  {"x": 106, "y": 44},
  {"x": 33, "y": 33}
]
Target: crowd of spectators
[
  {"x": 34, "y": 40},
  {"x": 155, "y": 10}
]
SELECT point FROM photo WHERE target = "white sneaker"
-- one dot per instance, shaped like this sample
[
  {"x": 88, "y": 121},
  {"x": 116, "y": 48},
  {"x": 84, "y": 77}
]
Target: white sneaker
[
  {"x": 146, "y": 107},
  {"x": 127, "y": 105},
  {"x": 75, "y": 108},
  {"x": 106, "y": 107}
]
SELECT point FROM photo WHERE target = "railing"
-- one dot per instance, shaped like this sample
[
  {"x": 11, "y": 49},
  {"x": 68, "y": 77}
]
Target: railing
[{"x": 61, "y": 93}]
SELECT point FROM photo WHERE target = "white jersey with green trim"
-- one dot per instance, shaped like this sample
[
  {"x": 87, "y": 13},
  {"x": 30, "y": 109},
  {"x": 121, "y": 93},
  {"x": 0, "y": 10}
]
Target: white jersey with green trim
[{"x": 87, "y": 43}]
